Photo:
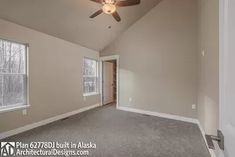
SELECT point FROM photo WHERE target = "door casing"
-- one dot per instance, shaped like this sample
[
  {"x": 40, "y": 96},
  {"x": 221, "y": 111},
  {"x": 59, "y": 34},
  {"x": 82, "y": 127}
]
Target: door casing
[
  {"x": 225, "y": 107},
  {"x": 108, "y": 58}
]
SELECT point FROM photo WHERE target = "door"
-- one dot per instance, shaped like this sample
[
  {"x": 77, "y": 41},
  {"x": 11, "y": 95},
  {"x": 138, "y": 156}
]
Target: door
[
  {"x": 107, "y": 82},
  {"x": 227, "y": 76}
]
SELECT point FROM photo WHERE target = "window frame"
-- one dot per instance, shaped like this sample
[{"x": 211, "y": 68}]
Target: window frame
[
  {"x": 97, "y": 76},
  {"x": 19, "y": 106}
]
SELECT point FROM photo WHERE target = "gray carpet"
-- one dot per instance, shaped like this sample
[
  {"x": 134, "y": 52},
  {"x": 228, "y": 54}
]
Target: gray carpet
[{"x": 123, "y": 134}]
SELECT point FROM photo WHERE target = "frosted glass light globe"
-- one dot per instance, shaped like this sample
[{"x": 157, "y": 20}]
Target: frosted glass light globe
[{"x": 109, "y": 8}]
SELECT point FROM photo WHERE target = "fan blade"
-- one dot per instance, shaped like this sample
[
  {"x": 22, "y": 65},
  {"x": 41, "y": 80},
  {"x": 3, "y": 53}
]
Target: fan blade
[
  {"x": 97, "y": 1},
  {"x": 116, "y": 16},
  {"x": 127, "y": 3},
  {"x": 96, "y": 13}
]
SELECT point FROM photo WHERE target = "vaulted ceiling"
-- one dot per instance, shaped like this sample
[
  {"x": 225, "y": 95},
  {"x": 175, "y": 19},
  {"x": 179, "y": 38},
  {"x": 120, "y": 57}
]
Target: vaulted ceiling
[{"x": 69, "y": 19}]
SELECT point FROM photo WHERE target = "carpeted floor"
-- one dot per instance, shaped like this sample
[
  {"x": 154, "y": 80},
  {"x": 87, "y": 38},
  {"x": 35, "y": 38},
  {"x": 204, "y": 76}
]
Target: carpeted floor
[{"x": 123, "y": 134}]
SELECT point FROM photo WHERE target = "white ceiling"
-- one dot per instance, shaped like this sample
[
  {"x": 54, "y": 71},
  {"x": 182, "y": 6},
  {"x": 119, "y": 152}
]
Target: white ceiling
[{"x": 69, "y": 19}]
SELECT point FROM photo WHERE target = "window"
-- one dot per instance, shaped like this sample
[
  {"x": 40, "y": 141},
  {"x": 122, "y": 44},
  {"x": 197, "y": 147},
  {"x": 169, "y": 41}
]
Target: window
[
  {"x": 13, "y": 74},
  {"x": 90, "y": 77}
]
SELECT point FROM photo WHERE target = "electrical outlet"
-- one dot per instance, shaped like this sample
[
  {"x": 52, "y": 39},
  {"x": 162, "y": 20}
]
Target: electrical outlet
[
  {"x": 194, "y": 106},
  {"x": 130, "y": 99},
  {"x": 24, "y": 112}
]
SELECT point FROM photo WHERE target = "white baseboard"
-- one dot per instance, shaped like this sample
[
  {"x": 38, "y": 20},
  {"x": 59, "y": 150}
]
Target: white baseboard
[
  {"x": 53, "y": 119},
  {"x": 158, "y": 114},
  {"x": 170, "y": 116},
  {"x": 212, "y": 152},
  {"x": 44, "y": 122}
]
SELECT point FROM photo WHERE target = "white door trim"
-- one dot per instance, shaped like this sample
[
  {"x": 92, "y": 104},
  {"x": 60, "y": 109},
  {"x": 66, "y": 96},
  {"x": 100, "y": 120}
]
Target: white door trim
[
  {"x": 223, "y": 50},
  {"x": 108, "y": 58},
  {"x": 223, "y": 7}
]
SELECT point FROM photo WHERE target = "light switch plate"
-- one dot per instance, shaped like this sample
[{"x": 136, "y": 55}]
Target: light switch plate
[{"x": 203, "y": 53}]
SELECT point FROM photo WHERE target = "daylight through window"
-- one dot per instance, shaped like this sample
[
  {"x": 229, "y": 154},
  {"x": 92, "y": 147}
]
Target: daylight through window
[
  {"x": 13, "y": 74},
  {"x": 90, "y": 76}
]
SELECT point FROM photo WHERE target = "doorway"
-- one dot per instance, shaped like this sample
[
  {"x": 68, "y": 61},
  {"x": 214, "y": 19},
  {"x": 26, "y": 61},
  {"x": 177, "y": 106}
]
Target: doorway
[
  {"x": 109, "y": 80},
  {"x": 227, "y": 76}
]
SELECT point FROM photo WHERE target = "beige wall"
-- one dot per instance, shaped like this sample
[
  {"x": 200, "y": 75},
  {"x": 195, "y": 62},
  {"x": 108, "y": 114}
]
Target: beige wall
[
  {"x": 55, "y": 76},
  {"x": 158, "y": 59},
  {"x": 208, "y": 92}
]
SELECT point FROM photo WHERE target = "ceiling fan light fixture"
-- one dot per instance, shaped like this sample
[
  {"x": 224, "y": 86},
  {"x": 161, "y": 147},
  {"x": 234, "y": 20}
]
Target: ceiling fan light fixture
[
  {"x": 109, "y": 8},
  {"x": 109, "y": 2}
]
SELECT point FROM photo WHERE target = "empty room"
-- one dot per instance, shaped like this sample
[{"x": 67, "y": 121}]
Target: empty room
[{"x": 117, "y": 78}]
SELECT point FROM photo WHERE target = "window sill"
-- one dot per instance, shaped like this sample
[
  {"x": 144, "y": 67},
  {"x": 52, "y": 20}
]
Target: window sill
[
  {"x": 13, "y": 108},
  {"x": 90, "y": 94}
]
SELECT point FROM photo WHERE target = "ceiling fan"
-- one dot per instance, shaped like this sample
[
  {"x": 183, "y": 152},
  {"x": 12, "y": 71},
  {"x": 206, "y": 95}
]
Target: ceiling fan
[{"x": 110, "y": 7}]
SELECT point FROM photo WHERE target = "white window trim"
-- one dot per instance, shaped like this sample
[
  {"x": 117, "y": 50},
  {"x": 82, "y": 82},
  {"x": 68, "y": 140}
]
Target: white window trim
[
  {"x": 15, "y": 107},
  {"x": 97, "y": 69},
  {"x": 90, "y": 94}
]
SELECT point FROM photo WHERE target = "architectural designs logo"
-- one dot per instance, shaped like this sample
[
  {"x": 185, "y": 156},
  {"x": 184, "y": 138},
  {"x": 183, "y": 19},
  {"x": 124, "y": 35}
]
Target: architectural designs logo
[{"x": 7, "y": 148}]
